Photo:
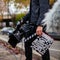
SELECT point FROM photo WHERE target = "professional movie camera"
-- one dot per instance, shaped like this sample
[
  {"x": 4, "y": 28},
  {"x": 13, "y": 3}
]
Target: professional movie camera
[{"x": 26, "y": 30}]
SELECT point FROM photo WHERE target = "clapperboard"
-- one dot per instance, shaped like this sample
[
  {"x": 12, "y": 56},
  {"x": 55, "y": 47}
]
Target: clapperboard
[{"x": 42, "y": 43}]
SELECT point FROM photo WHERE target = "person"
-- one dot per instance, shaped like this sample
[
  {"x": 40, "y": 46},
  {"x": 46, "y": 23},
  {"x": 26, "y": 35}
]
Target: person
[{"x": 33, "y": 21}]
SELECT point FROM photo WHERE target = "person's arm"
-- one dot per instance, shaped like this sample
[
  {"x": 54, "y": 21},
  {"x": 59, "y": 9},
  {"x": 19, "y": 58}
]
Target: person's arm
[
  {"x": 26, "y": 17},
  {"x": 43, "y": 10},
  {"x": 44, "y": 6},
  {"x": 22, "y": 21}
]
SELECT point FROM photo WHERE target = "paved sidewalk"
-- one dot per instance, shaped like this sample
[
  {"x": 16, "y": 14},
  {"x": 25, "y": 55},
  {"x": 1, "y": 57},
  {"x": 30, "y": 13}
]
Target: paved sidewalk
[{"x": 54, "y": 49}]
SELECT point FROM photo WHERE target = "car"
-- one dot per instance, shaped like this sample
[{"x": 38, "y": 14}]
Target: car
[{"x": 7, "y": 30}]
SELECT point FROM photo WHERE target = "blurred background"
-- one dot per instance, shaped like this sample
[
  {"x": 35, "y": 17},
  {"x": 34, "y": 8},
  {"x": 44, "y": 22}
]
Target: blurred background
[{"x": 12, "y": 11}]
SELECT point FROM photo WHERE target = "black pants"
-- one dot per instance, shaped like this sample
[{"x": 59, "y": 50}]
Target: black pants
[{"x": 28, "y": 52}]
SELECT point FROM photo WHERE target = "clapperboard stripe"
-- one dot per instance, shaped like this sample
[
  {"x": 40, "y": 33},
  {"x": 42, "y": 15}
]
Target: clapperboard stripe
[{"x": 30, "y": 37}]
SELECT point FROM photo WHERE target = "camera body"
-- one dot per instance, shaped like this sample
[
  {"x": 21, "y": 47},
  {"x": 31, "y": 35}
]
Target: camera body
[{"x": 26, "y": 30}]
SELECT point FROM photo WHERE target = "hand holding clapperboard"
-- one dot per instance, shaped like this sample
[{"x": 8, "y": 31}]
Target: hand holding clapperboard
[{"x": 42, "y": 43}]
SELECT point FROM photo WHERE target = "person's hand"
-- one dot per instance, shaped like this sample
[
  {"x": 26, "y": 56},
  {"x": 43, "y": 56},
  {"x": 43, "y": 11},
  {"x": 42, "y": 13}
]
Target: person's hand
[{"x": 39, "y": 30}]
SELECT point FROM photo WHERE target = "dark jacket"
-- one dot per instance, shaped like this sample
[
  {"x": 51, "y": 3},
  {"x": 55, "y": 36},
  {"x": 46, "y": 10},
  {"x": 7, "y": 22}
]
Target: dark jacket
[{"x": 37, "y": 10}]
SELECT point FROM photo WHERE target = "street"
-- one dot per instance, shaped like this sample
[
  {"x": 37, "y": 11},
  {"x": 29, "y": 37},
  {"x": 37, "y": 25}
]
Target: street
[{"x": 54, "y": 49}]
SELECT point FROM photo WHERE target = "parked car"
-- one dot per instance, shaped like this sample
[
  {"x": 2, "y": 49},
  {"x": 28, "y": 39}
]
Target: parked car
[{"x": 7, "y": 30}]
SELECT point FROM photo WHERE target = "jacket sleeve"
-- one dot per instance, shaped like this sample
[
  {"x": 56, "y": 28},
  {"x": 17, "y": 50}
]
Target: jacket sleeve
[
  {"x": 22, "y": 21},
  {"x": 26, "y": 17},
  {"x": 43, "y": 8}
]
